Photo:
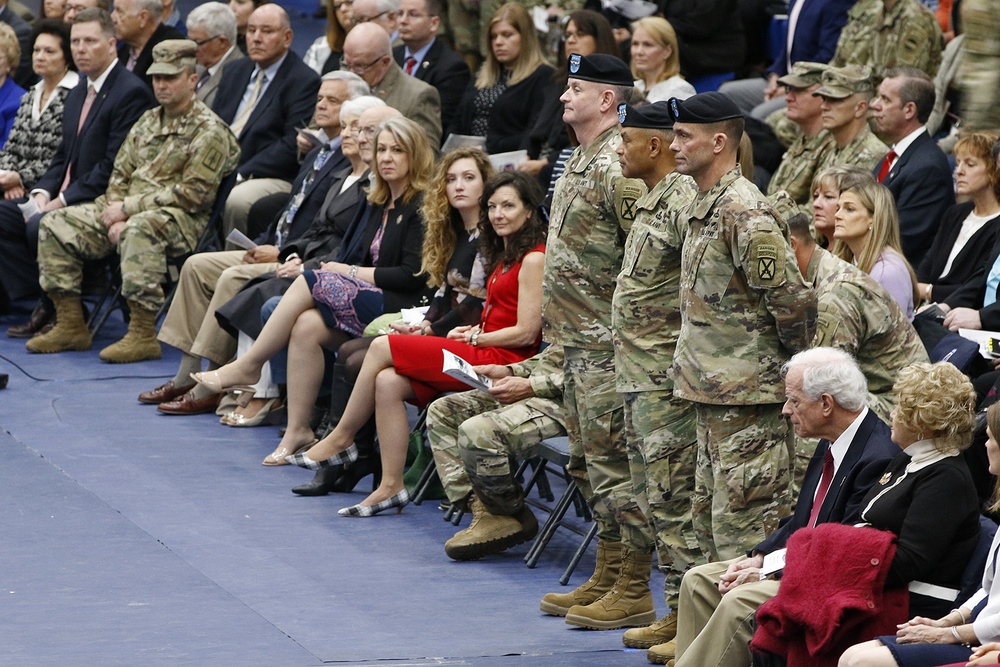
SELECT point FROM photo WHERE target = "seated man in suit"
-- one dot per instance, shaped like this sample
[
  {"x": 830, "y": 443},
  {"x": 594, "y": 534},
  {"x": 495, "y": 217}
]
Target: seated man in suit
[
  {"x": 826, "y": 398},
  {"x": 368, "y": 53},
  {"x": 265, "y": 99},
  {"x": 915, "y": 170},
  {"x": 425, "y": 57},
  {"x": 164, "y": 181},
  {"x": 93, "y": 128},
  {"x": 138, "y": 28},
  {"x": 210, "y": 279},
  {"x": 212, "y": 26}
]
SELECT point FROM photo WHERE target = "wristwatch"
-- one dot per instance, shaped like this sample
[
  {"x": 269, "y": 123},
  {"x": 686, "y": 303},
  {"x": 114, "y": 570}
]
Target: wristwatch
[{"x": 474, "y": 339}]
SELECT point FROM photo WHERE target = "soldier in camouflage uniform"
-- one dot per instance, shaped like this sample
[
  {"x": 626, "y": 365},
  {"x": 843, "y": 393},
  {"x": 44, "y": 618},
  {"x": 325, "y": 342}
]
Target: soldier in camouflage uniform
[
  {"x": 473, "y": 437},
  {"x": 846, "y": 92},
  {"x": 745, "y": 309},
  {"x": 592, "y": 210},
  {"x": 162, "y": 186},
  {"x": 883, "y": 34},
  {"x": 659, "y": 428},
  {"x": 979, "y": 73},
  {"x": 798, "y": 166}
]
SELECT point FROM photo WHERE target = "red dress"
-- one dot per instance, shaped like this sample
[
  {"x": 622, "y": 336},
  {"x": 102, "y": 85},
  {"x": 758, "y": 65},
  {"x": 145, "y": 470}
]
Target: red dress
[{"x": 420, "y": 359}]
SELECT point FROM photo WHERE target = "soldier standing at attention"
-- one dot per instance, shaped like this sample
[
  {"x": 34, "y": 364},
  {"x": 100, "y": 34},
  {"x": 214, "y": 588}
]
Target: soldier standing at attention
[
  {"x": 162, "y": 186},
  {"x": 592, "y": 209},
  {"x": 646, "y": 318},
  {"x": 745, "y": 309}
]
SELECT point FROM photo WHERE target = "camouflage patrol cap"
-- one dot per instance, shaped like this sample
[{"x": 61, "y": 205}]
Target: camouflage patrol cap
[
  {"x": 842, "y": 82},
  {"x": 804, "y": 74},
  {"x": 654, "y": 116},
  {"x": 600, "y": 68},
  {"x": 711, "y": 107},
  {"x": 171, "y": 56}
]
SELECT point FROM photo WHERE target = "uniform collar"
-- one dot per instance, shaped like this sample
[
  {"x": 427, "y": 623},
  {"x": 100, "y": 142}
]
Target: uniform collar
[
  {"x": 704, "y": 201},
  {"x": 596, "y": 147}
]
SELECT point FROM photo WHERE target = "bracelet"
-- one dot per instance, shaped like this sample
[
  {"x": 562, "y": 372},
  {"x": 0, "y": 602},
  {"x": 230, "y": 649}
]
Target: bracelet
[
  {"x": 927, "y": 293},
  {"x": 960, "y": 615},
  {"x": 354, "y": 271},
  {"x": 474, "y": 339},
  {"x": 958, "y": 637}
]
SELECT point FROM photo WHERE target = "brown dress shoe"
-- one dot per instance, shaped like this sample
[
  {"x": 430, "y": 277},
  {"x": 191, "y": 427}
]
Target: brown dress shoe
[
  {"x": 189, "y": 405},
  {"x": 42, "y": 315},
  {"x": 163, "y": 393}
]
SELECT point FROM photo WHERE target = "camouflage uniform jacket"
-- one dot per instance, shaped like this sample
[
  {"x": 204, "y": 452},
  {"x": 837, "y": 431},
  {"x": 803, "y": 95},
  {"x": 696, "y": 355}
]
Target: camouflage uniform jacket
[
  {"x": 858, "y": 316},
  {"x": 907, "y": 36},
  {"x": 544, "y": 371},
  {"x": 745, "y": 307},
  {"x": 592, "y": 209},
  {"x": 865, "y": 151},
  {"x": 799, "y": 165},
  {"x": 646, "y": 309},
  {"x": 173, "y": 163}
]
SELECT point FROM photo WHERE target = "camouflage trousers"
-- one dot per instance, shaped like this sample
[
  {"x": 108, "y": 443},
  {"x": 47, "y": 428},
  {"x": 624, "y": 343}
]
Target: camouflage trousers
[
  {"x": 661, "y": 432},
  {"x": 979, "y": 72},
  {"x": 742, "y": 476},
  {"x": 473, "y": 437},
  {"x": 599, "y": 462},
  {"x": 69, "y": 236}
]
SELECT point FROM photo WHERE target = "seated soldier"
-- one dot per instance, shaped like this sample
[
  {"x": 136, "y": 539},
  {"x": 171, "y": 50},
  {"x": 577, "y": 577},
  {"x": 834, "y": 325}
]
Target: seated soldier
[
  {"x": 845, "y": 94},
  {"x": 163, "y": 183}
]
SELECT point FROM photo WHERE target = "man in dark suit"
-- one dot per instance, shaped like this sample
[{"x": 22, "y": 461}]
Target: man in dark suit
[
  {"x": 81, "y": 167},
  {"x": 915, "y": 170},
  {"x": 212, "y": 26},
  {"x": 24, "y": 76},
  {"x": 265, "y": 99},
  {"x": 826, "y": 393},
  {"x": 425, "y": 57},
  {"x": 138, "y": 28},
  {"x": 210, "y": 279}
]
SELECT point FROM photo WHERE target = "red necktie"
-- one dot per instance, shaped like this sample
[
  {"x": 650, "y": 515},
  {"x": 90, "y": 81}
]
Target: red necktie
[
  {"x": 883, "y": 171},
  {"x": 411, "y": 62},
  {"x": 824, "y": 486}
]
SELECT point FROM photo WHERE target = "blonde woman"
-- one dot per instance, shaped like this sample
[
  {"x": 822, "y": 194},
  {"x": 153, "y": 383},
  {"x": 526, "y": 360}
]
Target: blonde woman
[
  {"x": 656, "y": 61},
  {"x": 10, "y": 92}
]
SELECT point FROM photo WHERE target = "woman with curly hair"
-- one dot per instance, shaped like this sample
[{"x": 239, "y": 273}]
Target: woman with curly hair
[
  {"x": 866, "y": 230},
  {"x": 408, "y": 368}
]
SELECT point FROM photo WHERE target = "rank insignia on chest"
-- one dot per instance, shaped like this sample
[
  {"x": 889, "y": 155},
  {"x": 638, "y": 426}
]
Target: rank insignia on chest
[{"x": 885, "y": 479}]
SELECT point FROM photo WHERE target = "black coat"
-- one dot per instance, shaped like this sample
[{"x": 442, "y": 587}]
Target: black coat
[
  {"x": 972, "y": 293},
  {"x": 445, "y": 70},
  {"x": 969, "y": 260},
  {"x": 709, "y": 34},
  {"x": 145, "y": 59}
]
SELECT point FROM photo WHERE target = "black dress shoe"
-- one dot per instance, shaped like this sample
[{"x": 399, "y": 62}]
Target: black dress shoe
[
  {"x": 43, "y": 314},
  {"x": 322, "y": 483}
]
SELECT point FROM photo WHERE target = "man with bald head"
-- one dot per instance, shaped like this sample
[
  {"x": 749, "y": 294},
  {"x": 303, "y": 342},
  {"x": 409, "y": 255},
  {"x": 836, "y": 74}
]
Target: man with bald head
[
  {"x": 383, "y": 13},
  {"x": 265, "y": 99},
  {"x": 368, "y": 53}
]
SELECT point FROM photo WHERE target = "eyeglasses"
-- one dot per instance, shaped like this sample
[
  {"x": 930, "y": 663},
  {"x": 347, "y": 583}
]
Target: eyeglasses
[
  {"x": 203, "y": 42},
  {"x": 340, "y": 5},
  {"x": 412, "y": 15},
  {"x": 74, "y": 8},
  {"x": 357, "y": 69},
  {"x": 368, "y": 19}
]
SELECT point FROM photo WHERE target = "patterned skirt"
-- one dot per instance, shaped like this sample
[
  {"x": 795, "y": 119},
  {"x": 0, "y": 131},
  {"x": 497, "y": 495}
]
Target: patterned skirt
[{"x": 346, "y": 304}]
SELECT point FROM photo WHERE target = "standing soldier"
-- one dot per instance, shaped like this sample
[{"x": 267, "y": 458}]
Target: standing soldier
[
  {"x": 592, "y": 209},
  {"x": 162, "y": 186},
  {"x": 745, "y": 309},
  {"x": 646, "y": 319}
]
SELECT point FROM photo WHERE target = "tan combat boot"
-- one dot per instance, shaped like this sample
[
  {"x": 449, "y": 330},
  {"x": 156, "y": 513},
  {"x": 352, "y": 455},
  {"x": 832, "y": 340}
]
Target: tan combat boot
[
  {"x": 609, "y": 562},
  {"x": 662, "y": 654},
  {"x": 139, "y": 343},
  {"x": 659, "y": 632},
  {"x": 70, "y": 331},
  {"x": 490, "y": 533},
  {"x": 629, "y": 603}
]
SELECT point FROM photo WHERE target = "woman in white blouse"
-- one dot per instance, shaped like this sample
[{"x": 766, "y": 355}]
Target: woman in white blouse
[{"x": 656, "y": 63}]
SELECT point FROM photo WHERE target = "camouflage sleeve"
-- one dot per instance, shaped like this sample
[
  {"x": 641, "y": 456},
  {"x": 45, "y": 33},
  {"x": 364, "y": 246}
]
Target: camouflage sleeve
[
  {"x": 919, "y": 44},
  {"x": 212, "y": 153},
  {"x": 769, "y": 265},
  {"x": 544, "y": 371},
  {"x": 622, "y": 194},
  {"x": 841, "y": 320},
  {"x": 124, "y": 167}
]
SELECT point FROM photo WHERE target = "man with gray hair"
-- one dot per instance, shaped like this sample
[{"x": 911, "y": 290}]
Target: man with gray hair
[
  {"x": 212, "y": 26},
  {"x": 383, "y": 13},
  {"x": 138, "y": 29},
  {"x": 826, "y": 398}
]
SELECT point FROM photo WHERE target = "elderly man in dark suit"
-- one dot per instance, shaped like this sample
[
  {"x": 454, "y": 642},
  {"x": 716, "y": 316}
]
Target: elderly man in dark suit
[
  {"x": 265, "y": 99},
  {"x": 425, "y": 57},
  {"x": 915, "y": 170},
  {"x": 826, "y": 393},
  {"x": 138, "y": 28},
  {"x": 212, "y": 26},
  {"x": 98, "y": 115}
]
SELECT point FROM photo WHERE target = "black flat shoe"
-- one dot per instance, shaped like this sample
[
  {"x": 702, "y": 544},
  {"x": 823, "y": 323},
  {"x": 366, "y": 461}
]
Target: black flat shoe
[{"x": 322, "y": 483}]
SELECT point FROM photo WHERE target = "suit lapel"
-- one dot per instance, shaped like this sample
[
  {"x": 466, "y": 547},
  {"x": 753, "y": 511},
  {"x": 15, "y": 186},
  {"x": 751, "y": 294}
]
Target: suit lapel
[
  {"x": 906, "y": 157},
  {"x": 95, "y": 108},
  {"x": 851, "y": 458}
]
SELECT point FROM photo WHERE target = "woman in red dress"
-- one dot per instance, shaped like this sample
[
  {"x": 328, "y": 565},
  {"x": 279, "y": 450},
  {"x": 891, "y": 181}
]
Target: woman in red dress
[{"x": 408, "y": 368}]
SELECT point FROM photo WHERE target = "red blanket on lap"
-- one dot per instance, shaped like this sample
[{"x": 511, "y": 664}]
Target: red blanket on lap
[{"x": 831, "y": 595}]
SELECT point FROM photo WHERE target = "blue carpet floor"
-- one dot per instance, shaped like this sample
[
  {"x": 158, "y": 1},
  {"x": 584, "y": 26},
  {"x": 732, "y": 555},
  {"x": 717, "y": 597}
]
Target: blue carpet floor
[{"x": 130, "y": 537}]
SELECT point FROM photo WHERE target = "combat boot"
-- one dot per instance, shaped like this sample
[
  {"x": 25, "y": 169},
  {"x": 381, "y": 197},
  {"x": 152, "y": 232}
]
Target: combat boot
[
  {"x": 659, "y": 632},
  {"x": 609, "y": 563},
  {"x": 629, "y": 603},
  {"x": 139, "y": 342},
  {"x": 662, "y": 654},
  {"x": 490, "y": 533},
  {"x": 70, "y": 331}
]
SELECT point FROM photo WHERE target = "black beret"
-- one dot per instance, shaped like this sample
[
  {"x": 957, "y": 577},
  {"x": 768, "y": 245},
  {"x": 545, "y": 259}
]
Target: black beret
[
  {"x": 600, "y": 68},
  {"x": 704, "y": 108},
  {"x": 655, "y": 116}
]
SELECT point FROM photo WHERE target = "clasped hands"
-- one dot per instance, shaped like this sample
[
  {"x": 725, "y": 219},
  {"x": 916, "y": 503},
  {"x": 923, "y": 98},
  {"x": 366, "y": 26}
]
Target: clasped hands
[{"x": 741, "y": 572}]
